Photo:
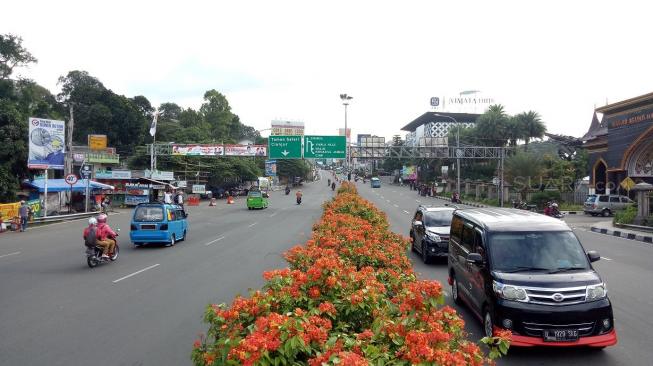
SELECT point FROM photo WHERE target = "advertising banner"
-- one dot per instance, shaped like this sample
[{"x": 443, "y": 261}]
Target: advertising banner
[
  {"x": 271, "y": 168},
  {"x": 198, "y": 150},
  {"x": 9, "y": 211},
  {"x": 159, "y": 175},
  {"x": 97, "y": 142},
  {"x": 182, "y": 184},
  {"x": 135, "y": 200},
  {"x": 409, "y": 172},
  {"x": 199, "y": 188},
  {"x": 245, "y": 150},
  {"x": 35, "y": 205},
  {"x": 46, "y": 144},
  {"x": 113, "y": 174}
]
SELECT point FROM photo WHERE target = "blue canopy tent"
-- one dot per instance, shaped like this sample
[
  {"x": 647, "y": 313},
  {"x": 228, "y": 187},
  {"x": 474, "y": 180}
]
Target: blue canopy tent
[{"x": 60, "y": 185}]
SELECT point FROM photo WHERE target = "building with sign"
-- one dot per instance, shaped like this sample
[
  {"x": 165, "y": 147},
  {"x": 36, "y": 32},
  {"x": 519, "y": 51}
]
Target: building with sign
[
  {"x": 287, "y": 128},
  {"x": 620, "y": 145},
  {"x": 432, "y": 128}
]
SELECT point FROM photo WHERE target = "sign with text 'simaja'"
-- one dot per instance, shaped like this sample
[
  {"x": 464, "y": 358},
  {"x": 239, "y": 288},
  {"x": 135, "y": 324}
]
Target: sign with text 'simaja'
[{"x": 46, "y": 144}]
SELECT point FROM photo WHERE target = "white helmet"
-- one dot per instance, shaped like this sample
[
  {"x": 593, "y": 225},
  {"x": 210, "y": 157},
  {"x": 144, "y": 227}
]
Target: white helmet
[
  {"x": 554, "y": 204},
  {"x": 92, "y": 221}
]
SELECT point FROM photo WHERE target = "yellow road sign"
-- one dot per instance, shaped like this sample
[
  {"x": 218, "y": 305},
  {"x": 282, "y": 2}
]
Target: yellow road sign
[{"x": 627, "y": 184}]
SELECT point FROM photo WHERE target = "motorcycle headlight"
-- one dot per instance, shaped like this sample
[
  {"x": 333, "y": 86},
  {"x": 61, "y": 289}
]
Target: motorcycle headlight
[
  {"x": 596, "y": 292},
  {"x": 509, "y": 292},
  {"x": 433, "y": 236}
]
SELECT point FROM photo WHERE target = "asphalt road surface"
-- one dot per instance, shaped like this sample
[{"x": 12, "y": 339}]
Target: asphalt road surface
[
  {"x": 147, "y": 307},
  {"x": 626, "y": 267}
]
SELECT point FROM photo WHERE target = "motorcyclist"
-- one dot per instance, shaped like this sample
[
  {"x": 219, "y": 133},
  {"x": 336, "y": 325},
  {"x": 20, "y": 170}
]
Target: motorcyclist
[
  {"x": 333, "y": 186},
  {"x": 105, "y": 236},
  {"x": 554, "y": 210},
  {"x": 287, "y": 190},
  {"x": 547, "y": 209},
  {"x": 329, "y": 182},
  {"x": 299, "y": 196},
  {"x": 90, "y": 233}
]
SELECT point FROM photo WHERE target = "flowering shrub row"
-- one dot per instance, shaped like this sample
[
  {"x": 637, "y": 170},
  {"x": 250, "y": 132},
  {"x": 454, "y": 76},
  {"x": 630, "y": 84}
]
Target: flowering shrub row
[{"x": 349, "y": 297}]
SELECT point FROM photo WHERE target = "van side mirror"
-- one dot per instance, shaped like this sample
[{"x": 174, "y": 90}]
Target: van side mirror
[
  {"x": 593, "y": 255},
  {"x": 475, "y": 258}
]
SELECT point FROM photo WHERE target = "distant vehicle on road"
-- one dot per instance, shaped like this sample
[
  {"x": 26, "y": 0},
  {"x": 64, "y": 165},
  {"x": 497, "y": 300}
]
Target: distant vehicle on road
[
  {"x": 429, "y": 231},
  {"x": 606, "y": 205},
  {"x": 257, "y": 199},
  {"x": 375, "y": 182},
  {"x": 158, "y": 223},
  {"x": 528, "y": 273}
]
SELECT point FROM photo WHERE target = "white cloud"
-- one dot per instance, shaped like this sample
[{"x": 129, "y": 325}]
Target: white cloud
[{"x": 291, "y": 59}]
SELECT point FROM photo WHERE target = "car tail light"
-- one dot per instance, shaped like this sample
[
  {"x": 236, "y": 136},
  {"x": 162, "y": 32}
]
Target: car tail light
[
  {"x": 133, "y": 227},
  {"x": 164, "y": 227}
]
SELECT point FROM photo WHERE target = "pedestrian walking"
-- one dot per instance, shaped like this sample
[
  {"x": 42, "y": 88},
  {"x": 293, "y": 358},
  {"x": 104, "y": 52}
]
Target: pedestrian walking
[{"x": 23, "y": 213}]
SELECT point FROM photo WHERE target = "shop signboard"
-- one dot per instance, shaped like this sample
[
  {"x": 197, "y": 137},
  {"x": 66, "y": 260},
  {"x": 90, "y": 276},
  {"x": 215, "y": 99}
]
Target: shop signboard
[
  {"x": 113, "y": 174},
  {"x": 182, "y": 184},
  {"x": 103, "y": 158},
  {"x": 198, "y": 150},
  {"x": 245, "y": 150},
  {"x": 131, "y": 200},
  {"x": 199, "y": 188},
  {"x": 160, "y": 175},
  {"x": 97, "y": 142},
  {"x": 46, "y": 144}
]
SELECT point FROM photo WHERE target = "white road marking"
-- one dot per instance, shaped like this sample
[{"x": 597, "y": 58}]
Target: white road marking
[
  {"x": 396, "y": 205},
  {"x": 135, "y": 273},
  {"x": 274, "y": 214},
  {"x": 418, "y": 201},
  {"x": 406, "y": 212},
  {"x": 250, "y": 225},
  {"x": 6, "y": 255},
  {"x": 387, "y": 201},
  {"x": 606, "y": 258},
  {"x": 213, "y": 241}
]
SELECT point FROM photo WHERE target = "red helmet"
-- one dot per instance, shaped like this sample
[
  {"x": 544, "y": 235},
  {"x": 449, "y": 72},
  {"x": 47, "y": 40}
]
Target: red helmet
[{"x": 102, "y": 218}]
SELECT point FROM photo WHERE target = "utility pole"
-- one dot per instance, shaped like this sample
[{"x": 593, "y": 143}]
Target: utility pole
[{"x": 69, "y": 154}]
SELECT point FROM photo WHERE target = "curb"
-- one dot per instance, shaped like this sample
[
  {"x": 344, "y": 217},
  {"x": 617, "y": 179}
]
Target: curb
[
  {"x": 622, "y": 234},
  {"x": 473, "y": 204}
]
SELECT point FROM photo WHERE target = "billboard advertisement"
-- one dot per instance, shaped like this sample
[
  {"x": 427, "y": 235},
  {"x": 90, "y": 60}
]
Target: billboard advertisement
[
  {"x": 287, "y": 128},
  {"x": 46, "y": 144},
  {"x": 198, "y": 150},
  {"x": 271, "y": 168},
  {"x": 409, "y": 172},
  {"x": 245, "y": 150}
]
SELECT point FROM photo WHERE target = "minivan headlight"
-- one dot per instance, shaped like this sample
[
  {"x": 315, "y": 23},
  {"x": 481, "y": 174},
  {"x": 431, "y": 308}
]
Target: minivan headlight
[
  {"x": 596, "y": 292},
  {"x": 433, "y": 236},
  {"x": 509, "y": 292}
]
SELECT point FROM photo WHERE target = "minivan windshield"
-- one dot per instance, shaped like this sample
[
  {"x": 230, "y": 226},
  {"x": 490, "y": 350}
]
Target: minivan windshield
[
  {"x": 552, "y": 251},
  {"x": 148, "y": 213},
  {"x": 438, "y": 218}
]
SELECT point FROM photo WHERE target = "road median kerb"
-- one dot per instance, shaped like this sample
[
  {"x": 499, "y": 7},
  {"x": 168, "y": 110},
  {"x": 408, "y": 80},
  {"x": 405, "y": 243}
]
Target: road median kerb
[{"x": 622, "y": 234}]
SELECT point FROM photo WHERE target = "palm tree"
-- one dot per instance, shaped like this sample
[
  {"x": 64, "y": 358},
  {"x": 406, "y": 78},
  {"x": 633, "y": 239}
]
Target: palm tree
[
  {"x": 493, "y": 126},
  {"x": 515, "y": 131},
  {"x": 532, "y": 126}
]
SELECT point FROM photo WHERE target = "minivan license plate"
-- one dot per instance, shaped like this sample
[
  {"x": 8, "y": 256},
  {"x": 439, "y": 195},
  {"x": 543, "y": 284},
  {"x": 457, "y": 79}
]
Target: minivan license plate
[{"x": 561, "y": 335}]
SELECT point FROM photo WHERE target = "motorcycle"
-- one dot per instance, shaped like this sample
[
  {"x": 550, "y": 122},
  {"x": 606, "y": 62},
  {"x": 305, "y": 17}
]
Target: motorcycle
[
  {"x": 94, "y": 255},
  {"x": 299, "y": 200},
  {"x": 287, "y": 191}
]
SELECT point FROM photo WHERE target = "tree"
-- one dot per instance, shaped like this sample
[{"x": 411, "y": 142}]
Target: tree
[
  {"x": 144, "y": 106},
  {"x": 531, "y": 126},
  {"x": 12, "y": 55},
  {"x": 291, "y": 168},
  {"x": 523, "y": 170},
  {"x": 217, "y": 112},
  {"x": 515, "y": 131},
  {"x": 492, "y": 127},
  {"x": 169, "y": 112}
]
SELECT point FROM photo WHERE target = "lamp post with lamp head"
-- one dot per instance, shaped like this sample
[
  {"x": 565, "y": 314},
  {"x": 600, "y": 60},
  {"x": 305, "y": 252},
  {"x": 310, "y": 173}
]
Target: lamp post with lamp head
[{"x": 345, "y": 101}]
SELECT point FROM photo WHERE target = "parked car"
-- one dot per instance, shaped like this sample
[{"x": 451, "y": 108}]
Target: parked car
[
  {"x": 375, "y": 182},
  {"x": 429, "y": 231},
  {"x": 606, "y": 205},
  {"x": 158, "y": 223},
  {"x": 528, "y": 273}
]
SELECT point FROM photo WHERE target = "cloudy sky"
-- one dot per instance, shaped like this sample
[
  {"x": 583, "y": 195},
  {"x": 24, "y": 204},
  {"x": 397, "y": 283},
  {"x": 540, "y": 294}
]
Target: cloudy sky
[{"x": 292, "y": 59}]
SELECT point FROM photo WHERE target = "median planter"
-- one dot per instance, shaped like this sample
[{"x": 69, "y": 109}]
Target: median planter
[{"x": 350, "y": 297}]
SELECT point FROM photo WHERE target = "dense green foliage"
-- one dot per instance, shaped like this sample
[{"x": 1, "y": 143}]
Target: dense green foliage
[{"x": 125, "y": 121}]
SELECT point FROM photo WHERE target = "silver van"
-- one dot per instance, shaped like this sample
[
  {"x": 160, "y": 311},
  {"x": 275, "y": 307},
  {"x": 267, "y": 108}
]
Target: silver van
[{"x": 603, "y": 204}]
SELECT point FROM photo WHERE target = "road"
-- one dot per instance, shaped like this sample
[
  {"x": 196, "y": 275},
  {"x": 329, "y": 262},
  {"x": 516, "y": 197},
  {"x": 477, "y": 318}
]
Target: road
[
  {"x": 147, "y": 307},
  {"x": 57, "y": 311},
  {"x": 626, "y": 267}
]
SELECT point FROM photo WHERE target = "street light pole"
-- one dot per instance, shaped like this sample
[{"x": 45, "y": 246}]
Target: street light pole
[
  {"x": 457, "y": 149},
  {"x": 345, "y": 101}
]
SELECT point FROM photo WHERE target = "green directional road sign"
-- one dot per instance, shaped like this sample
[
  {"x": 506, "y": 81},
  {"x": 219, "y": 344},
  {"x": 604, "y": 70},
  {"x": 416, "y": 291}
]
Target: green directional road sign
[
  {"x": 285, "y": 147},
  {"x": 325, "y": 147}
]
